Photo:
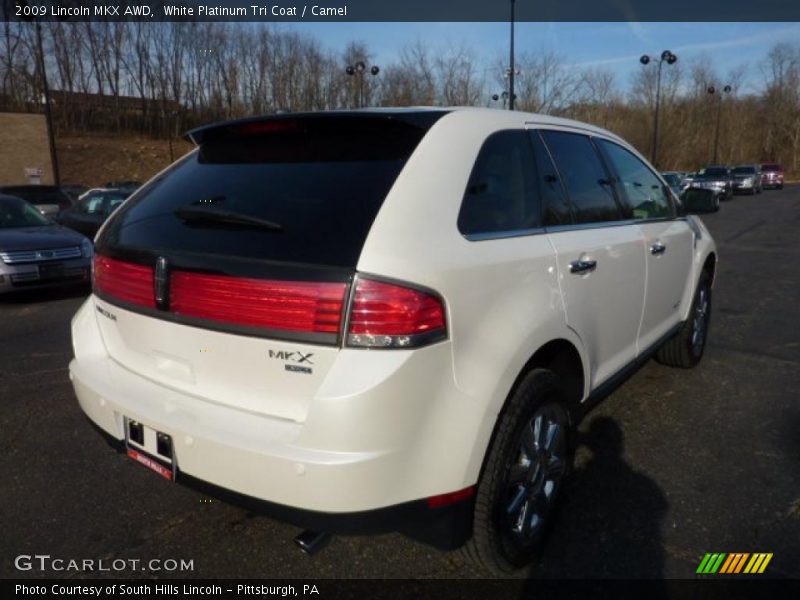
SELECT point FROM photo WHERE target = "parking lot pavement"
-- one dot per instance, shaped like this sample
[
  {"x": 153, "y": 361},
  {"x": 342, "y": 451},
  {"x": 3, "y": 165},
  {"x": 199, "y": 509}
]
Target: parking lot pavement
[{"x": 671, "y": 466}]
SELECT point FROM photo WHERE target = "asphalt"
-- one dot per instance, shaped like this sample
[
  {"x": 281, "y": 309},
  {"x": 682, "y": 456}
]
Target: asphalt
[{"x": 673, "y": 465}]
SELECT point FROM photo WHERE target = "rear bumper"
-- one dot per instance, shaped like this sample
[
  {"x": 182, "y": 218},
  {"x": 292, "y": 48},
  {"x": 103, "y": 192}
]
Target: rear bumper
[
  {"x": 445, "y": 528},
  {"x": 365, "y": 459}
]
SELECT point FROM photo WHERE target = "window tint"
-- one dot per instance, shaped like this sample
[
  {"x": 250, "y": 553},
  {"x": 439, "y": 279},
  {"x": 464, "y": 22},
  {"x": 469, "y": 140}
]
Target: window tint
[
  {"x": 646, "y": 195},
  {"x": 588, "y": 185},
  {"x": 501, "y": 194},
  {"x": 556, "y": 209}
]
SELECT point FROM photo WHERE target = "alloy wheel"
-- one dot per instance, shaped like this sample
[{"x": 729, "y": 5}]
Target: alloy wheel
[{"x": 536, "y": 472}]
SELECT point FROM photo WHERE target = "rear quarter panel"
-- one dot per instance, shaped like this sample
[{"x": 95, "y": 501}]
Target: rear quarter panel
[{"x": 502, "y": 295}]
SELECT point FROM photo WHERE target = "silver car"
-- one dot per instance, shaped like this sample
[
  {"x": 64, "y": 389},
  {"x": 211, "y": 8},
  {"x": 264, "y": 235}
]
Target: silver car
[
  {"x": 747, "y": 179},
  {"x": 36, "y": 252}
]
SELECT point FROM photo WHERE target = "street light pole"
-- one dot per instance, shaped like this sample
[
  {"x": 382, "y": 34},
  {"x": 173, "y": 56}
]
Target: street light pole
[
  {"x": 669, "y": 58},
  {"x": 47, "y": 111},
  {"x": 511, "y": 63},
  {"x": 711, "y": 90}
]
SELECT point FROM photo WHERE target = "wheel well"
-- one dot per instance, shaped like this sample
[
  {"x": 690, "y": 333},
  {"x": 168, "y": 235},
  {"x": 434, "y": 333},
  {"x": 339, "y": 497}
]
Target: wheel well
[
  {"x": 562, "y": 358},
  {"x": 711, "y": 266}
]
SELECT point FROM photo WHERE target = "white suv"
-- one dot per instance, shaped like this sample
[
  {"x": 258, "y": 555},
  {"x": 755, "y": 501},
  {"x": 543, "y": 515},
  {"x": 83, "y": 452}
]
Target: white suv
[{"x": 390, "y": 319}]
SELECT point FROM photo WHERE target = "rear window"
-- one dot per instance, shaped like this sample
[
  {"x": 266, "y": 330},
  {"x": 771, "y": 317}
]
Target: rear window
[
  {"x": 320, "y": 181},
  {"x": 714, "y": 172},
  {"x": 744, "y": 170},
  {"x": 771, "y": 168}
]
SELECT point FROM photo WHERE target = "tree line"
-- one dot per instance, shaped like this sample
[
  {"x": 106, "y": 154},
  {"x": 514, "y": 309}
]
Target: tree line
[{"x": 162, "y": 78}]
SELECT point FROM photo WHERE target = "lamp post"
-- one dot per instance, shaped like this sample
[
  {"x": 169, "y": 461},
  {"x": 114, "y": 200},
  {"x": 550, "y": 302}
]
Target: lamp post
[
  {"x": 511, "y": 69},
  {"x": 48, "y": 113},
  {"x": 358, "y": 70},
  {"x": 669, "y": 58},
  {"x": 712, "y": 90}
]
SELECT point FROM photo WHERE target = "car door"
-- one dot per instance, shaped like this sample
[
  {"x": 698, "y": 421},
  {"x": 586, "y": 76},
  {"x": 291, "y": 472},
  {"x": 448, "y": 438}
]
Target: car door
[
  {"x": 669, "y": 242},
  {"x": 599, "y": 254}
]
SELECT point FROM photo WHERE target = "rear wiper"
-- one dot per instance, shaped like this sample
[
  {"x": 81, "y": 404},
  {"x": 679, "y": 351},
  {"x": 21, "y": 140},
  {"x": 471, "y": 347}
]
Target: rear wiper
[{"x": 206, "y": 214}]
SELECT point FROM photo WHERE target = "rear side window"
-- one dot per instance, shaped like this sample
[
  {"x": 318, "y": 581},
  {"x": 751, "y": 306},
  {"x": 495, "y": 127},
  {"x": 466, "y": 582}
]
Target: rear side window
[
  {"x": 588, "y": 185},
  {"x": 320, "y": 181},
  {"x": 556, "y": 209},
  {"x": 646, "y": 195},
  {"x": 501, "y": 195}
]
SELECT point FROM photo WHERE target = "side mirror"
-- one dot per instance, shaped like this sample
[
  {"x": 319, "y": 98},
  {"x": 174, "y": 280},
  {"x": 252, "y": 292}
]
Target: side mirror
[{"x": 698, "y": 201}]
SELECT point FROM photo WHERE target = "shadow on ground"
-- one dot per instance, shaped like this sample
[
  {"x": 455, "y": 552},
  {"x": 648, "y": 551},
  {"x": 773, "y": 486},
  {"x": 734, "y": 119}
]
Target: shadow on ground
[{"x": 610, "y": 522}]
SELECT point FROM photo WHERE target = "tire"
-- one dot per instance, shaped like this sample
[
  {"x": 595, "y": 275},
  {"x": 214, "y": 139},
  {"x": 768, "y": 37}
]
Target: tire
[
  {"x": 716, "y": 203},
  {"x": 685, "y": 348},
  {"x": 522, "y": 477}
]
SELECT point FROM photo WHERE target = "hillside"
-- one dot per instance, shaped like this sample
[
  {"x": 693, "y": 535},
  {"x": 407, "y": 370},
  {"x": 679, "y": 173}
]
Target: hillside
[{"x": 93, "y": 160}]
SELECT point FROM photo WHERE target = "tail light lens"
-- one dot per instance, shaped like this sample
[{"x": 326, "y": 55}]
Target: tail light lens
[
  {"x": 382, "y": 314},
  {"x": 387, "y": 315},
  {"x": 308, "y": 307},
  {"x": 124, "y": 281}
]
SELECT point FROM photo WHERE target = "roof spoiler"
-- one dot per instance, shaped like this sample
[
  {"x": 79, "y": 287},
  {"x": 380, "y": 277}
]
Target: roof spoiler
[{"x": 296, "y": 122}]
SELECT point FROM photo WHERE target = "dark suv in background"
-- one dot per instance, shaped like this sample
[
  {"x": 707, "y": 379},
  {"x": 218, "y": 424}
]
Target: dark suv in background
[{"x": 717, "y": 178}]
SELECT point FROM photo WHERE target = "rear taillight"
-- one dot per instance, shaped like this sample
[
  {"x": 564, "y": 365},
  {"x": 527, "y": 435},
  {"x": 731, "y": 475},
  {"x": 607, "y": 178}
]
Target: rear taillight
[
  {"x": 387, "y": 315},
  {"x": 382, "y": 314},
  {"x": 124, "y": 281},
  {"x": 284, "y": 305}
]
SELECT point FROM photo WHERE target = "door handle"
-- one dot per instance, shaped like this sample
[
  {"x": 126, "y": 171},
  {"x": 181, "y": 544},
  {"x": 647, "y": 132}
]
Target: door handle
[
  {"x": 582, "y": 266},
  {"x": 657, "y": 248}
]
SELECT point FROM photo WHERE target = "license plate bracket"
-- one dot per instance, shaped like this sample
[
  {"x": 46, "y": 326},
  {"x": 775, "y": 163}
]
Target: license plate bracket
[{"x": 150, "y": 448}]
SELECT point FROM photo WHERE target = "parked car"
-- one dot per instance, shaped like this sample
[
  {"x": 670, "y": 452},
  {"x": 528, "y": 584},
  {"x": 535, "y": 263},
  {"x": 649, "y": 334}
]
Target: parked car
[
  {"x": 49, "y": 199},
  {"x": 747, "y": 179},
  {"x": 74, "y": 190},
  {"x": 129, "y": 185},
  {"x": 388, "y": 320},
  {"x": 94, "y": 207},
  {"x": 772, "y": 175},
  {"x": 35, "y": 251},
  {"x": 717, "y": 178}
]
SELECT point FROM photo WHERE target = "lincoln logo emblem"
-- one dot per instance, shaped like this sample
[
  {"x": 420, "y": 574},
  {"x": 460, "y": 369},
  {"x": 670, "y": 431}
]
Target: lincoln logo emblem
[{"x": 161, "y": 280}]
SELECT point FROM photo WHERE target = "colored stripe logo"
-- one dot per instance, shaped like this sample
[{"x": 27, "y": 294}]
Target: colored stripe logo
[{"x": 734, "y": 563}]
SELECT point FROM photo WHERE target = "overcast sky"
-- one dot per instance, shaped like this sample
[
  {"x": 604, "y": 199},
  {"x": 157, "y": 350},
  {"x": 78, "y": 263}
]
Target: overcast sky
[{"x": 615, "y": 46}]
